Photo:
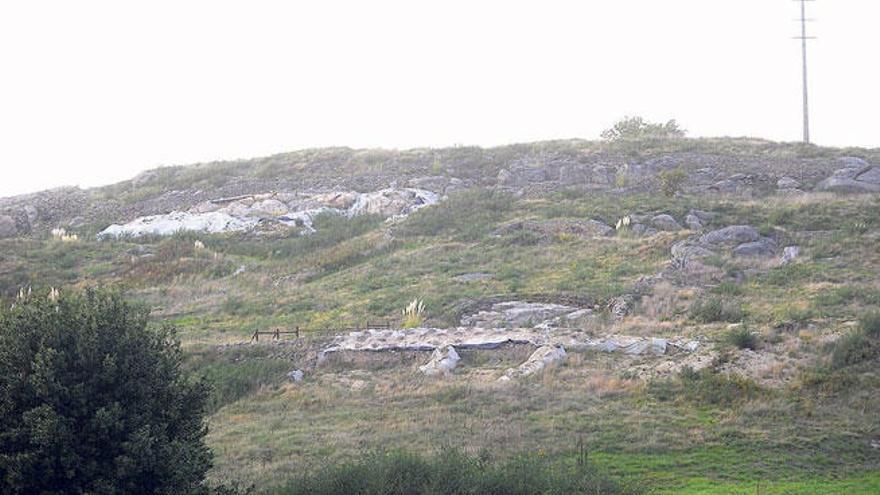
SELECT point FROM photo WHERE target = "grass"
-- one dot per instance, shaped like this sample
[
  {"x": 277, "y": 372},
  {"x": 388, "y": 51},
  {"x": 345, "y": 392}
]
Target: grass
[{"x": 450, "y": 471}]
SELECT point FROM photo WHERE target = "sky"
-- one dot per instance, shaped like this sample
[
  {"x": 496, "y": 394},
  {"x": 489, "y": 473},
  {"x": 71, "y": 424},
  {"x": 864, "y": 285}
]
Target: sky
[{"x": 92, "y": 92}]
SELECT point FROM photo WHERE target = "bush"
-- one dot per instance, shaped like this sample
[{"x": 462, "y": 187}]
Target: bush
[
  {"x": 93, "y": 401},
  {"x": 742, "y": 338},
  {"x": 714, "y": 310},
  {"x": 451, "y": 472},
  {"x": 860, "y": 345},
  {"x": 634, "y": 128},
  {"x": 671, "y": 181},
  {"x": 852, "y": 348},
  {"x": 869, "y": 323}
]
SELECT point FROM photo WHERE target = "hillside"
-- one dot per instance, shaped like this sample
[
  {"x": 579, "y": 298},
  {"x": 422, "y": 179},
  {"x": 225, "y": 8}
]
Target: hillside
[{"x": 699, "y": 315}]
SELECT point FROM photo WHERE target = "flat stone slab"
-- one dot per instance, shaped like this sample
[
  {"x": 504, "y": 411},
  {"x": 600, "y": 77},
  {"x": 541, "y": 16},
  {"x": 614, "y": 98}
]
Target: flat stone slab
[{"x": 429, "y": 339}]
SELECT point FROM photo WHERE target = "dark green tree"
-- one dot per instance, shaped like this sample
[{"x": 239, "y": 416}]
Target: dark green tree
[{"x": 92, "y": 400}]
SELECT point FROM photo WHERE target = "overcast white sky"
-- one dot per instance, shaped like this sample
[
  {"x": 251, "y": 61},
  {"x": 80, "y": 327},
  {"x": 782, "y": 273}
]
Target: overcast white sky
[{"x": 91, "y": 92}]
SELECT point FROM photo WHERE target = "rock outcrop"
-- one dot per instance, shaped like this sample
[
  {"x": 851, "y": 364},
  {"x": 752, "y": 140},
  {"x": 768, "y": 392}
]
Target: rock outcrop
[
  {"x": 517, "y": 314},
  {"x": 429, "y": 339},
  {"x": 857, "y": 176},
  {"x": 443, "y": 361},
  {"x": 544, "y": 356},
  {"x": 245, "y": 213},
  {"x": 7, "y": 226}
]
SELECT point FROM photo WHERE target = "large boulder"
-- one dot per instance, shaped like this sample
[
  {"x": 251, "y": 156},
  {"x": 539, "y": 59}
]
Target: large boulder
[
  {"x": 762, "y": 247},
  {"x": 787, "y": 183},
  {"x": 734, "y": 234},
  {"x": 7, "y": 226},
  {"x": 693, "y": 222},
  {"x": 844, "y": 185},
  {"x": 687, "y": 249},
  {"x": 443, "y": 360},
  {"x": 854, "y": 162},
  {"x": 665, "y": 222},
  {"x": 857, "y": 176},
  {"x": 540, "y": 359},
  {"x": 871, "y": 176}
]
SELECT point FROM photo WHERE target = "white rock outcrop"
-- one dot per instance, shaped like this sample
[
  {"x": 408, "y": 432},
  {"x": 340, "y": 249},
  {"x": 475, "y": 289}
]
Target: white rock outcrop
[
  {"x": 429, "y": 339},
  {"x": 209, "y": 223},
  {"x": 513, "y": 314},
  {"x": 443, "y": 361},
  {"x": 540, "y": 359},
  {"x": 297, "y": 211}
]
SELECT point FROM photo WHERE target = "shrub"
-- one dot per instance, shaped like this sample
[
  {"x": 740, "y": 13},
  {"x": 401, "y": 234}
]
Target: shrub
[
  {"x": 714, "y": 310},
  {"x": 93, "y": 401},
  {"x": 869, "y": 323},
  {"x": 742, "y": 338},
  {"x": 860, "y": 345},
  {"x": 852, "y": 348},
  {"x": 634, "y": 128},
  {"x": 671, "y": 181}
]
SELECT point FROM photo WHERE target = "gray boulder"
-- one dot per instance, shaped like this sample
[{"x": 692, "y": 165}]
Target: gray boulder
[
  {"x": 686, "y": 249},
  {"x": 296, "y": 376},
  {"x": 735, "y": 234},
  {"x": 665, "y": 222},
  {"x": 845, "y": 185},
  {"x": 871, "y": 176},
  {"x": 789, "y": 254},
  {"x": 693, "y": 222},
  {"x": 854, "y": 162},
  {"x": 787, "y": 183},
  {"x": 7, "y": 226},
  {"x": 762, "y": 247}
]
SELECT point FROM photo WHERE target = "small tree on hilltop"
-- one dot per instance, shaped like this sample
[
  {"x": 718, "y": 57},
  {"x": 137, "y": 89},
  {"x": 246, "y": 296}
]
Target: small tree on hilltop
[
  {"x": 636, "y": 128},
  {"x": 93, "y": 401}
]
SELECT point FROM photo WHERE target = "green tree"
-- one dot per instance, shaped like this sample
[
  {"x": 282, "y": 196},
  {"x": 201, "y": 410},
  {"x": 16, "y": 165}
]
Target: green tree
[{"x": 94, "y": 401}]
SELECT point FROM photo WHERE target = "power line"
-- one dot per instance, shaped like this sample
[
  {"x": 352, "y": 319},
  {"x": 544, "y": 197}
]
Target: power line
[{"x": 803, "y": 37}]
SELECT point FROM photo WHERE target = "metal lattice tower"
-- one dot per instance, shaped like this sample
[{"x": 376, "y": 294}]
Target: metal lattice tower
[{"x": 803, "y": 37}]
